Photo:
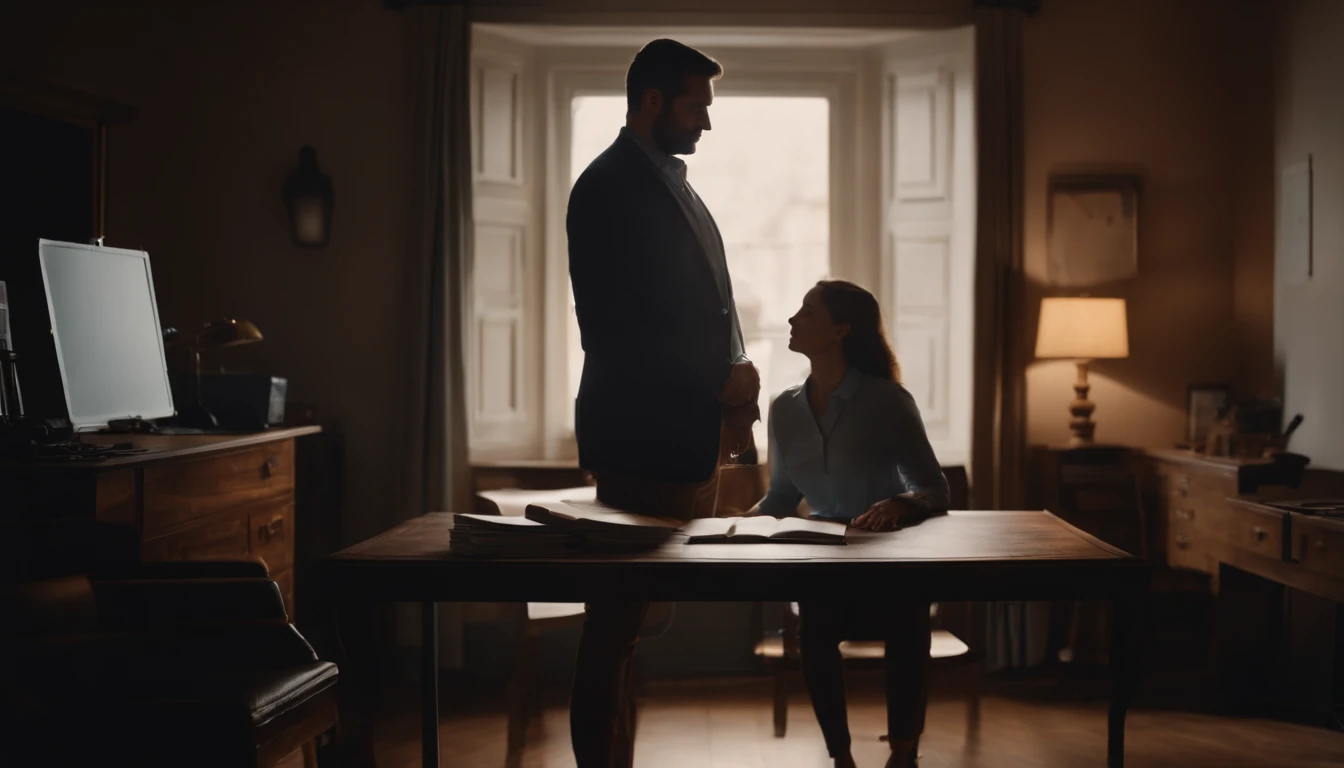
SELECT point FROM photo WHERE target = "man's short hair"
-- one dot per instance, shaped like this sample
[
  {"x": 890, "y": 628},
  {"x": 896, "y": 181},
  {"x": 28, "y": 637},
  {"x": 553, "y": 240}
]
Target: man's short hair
[{"x": 665, "y": 65}]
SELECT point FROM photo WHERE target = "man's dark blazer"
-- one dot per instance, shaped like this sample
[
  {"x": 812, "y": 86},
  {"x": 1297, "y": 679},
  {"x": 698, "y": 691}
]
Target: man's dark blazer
[{"x": 655, "y": 327}]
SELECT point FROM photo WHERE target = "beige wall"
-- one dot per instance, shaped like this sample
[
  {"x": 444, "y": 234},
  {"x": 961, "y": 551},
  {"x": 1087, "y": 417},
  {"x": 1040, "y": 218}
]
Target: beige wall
[
  {"x": 225, "y": 100},
  {"x": 1309, "y": 318},
  {"x": 1169, "y": 92}
]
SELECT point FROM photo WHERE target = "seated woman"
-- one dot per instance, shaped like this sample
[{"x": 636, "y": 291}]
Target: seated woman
[{"x": 850, "y": 441}]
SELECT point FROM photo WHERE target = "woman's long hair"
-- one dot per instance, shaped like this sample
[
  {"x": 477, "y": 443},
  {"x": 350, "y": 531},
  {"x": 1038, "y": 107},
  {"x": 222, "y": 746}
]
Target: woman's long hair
[{"x": 865, "y": 346}]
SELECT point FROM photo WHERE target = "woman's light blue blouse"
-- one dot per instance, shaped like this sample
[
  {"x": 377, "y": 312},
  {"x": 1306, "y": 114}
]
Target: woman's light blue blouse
[{"x": 870, "y": 445}]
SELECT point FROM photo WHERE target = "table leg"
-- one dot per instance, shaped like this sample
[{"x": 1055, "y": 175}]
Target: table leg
[
  {"x": 1124, "y": 664},
  {"x": 355, "y": 654},
  {"x": 429, "y": 685}
]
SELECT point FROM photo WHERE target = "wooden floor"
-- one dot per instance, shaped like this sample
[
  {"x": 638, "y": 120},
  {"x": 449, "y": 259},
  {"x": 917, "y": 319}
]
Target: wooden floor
[{"x": 727, "y": 724}]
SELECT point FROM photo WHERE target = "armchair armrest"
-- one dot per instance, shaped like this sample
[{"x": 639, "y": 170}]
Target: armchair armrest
[
  {"x": 210, "y": 653},
  {"x": 138, "y": 603}
]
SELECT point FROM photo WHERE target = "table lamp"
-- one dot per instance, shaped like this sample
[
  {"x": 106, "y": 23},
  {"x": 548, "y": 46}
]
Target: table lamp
[
  {"x": 216, "y": 334},
  {"x": 1083, "y": 329}
]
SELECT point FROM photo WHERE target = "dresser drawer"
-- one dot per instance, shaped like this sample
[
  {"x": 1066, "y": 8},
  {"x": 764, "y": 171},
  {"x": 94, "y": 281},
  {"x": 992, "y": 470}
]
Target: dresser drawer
[
  {"x": 179, "y": 491},
  {"x": 1246, "y": 528},
  {"x": 222, "y": 539},
  {"x": 271, "y": 534},
  {"x": 1318, "y": 545},
  {"x": 1184, "y": 545},
  {"x": 1187, "y": 489}
]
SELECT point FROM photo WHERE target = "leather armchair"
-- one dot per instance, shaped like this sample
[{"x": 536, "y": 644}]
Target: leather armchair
[{"x": 188, "y": 663}]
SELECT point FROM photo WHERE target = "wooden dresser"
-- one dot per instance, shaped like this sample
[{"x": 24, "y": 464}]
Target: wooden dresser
[
  {"x": 1279, "y": 579},
  {"x": 190, "y": 497},
  {"x": 1211, "y": 512}
]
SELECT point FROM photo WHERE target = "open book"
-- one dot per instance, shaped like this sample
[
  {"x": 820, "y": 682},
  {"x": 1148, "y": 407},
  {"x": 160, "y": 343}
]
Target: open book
[{"x": 756, "y": 530}]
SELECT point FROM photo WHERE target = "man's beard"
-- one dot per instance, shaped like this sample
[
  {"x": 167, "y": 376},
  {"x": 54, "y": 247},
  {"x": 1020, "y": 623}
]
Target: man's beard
[{"x": 670, "y": 140}]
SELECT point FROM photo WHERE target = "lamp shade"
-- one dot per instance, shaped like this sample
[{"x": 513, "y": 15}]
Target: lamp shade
[
  {"x": 1082, "y": 328},
  {"x": 227, "y": 332}
]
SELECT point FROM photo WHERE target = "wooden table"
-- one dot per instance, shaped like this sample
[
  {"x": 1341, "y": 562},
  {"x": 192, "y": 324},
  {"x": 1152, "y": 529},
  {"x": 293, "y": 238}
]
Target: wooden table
[{"x": 961, "y": 556}]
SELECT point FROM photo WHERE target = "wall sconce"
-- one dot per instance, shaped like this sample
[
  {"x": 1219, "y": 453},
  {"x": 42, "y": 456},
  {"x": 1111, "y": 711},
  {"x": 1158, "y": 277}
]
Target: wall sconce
[{"x": 310, "y": 199}]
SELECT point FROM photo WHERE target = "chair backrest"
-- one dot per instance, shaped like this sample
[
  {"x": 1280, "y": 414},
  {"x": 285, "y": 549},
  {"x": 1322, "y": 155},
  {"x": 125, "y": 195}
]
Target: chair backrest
[
  {"x": 958, "y": 487},
  {"x": 960, "y": 618}
]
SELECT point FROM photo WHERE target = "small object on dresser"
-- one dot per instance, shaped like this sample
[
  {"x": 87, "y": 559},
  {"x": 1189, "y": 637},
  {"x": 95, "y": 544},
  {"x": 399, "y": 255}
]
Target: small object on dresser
[
  {"x": 1246, "y": 430},
  {"x": 1205, "y": 404},
  {"x": 1319, "y": 507}
]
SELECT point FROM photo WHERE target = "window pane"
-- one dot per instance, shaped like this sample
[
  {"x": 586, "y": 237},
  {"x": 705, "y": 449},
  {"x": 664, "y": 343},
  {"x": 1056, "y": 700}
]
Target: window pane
[{"x": 763, "y": 171}]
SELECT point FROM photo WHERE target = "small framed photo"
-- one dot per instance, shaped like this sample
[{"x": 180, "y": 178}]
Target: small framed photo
[
  {"x": 1204, "y": 403},
  {"x": 1092, "y": 229}
]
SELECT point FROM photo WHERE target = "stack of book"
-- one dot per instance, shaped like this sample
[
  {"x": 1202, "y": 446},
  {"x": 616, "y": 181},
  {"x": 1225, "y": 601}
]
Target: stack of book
[
  {"x": 521, "y": 523},
  {"x": 571, "y": 521},
  {"x": 602, "y": 527},
  {"x": 499, "y": 536},
  {"x": 513, "y": 502}
]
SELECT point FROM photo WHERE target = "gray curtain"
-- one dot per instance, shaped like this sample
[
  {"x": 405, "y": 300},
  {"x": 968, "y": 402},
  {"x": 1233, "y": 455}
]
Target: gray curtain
[
  {"x": 438, "y": 471},
  {"x": 440, "y": 476},
  {"x": 1016, "y": 632}
]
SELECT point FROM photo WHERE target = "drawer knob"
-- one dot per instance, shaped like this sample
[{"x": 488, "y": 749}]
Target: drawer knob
[
  {"x": 1259, "y": 533},
  {"x": 1320, "y": 544},
  {"x": 1185, "y": 514},
  {"x": 266, "y": 532},
  {"x": 1182, "y": 540},
  {"x": 268, "y": 469}
]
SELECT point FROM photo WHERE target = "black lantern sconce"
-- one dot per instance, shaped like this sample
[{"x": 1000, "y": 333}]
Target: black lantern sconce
[{"x": 310, "y": 199}]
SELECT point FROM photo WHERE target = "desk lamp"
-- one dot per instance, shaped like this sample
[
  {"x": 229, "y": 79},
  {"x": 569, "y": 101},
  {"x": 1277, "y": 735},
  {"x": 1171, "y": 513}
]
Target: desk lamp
[
  {"x": 216, "y": 334},
  {"x": 1084, "y": 329}
]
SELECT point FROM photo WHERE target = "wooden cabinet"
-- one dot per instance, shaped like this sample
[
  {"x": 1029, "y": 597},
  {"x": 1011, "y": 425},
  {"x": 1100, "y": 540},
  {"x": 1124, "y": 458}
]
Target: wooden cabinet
[
  {"x": 1213, "y": 515},
  {"x": 1191, "y": 495},
  {"x": 182, "y": 491},
  {"x": 1318, "y": 545},
  {"x": 1093, "y": 488},
  {"x": 190, "y": 497}
]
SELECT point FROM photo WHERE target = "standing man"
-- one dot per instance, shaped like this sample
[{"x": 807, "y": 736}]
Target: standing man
[{"x": 665, "y": 375}]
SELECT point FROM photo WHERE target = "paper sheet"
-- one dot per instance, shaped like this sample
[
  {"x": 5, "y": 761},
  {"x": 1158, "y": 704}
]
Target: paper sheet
[{"x": 1295, "y": 224}]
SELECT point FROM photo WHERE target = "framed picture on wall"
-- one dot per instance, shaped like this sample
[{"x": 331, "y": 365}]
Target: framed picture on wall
[
  {"x": 1204, "y": 402},
  {"x": 1092, "y": 230}
]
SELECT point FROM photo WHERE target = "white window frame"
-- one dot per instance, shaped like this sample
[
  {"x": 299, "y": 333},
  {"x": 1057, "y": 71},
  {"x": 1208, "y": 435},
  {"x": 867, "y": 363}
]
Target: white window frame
[{"x": 853, "y": 70}]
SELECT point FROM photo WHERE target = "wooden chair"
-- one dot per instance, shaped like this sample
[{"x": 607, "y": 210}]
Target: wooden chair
[
  {"x": 535, "y": 620},
  {"x": 525, "y": 689},
  {"x": 738, "y": 484},
  {"x": 779, "y": 650}
]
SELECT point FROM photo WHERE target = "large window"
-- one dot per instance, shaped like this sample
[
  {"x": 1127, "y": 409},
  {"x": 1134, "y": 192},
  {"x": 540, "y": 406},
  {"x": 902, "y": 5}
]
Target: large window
[
  {"x": 763, "y": 172},
  {"x": 847, "y": 153}
]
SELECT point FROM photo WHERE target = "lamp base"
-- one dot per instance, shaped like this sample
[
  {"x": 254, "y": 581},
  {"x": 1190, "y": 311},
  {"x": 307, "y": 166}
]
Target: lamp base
[{"x": 1081, "y": 425}]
